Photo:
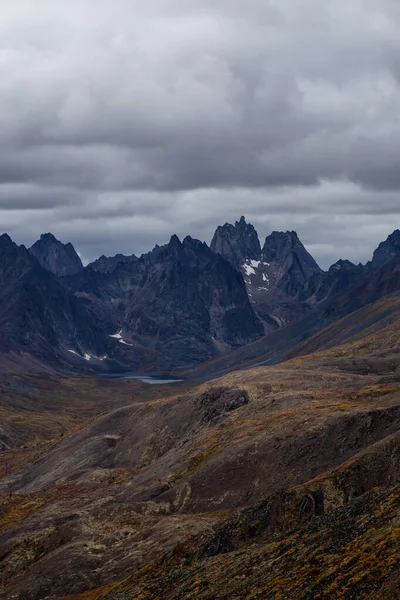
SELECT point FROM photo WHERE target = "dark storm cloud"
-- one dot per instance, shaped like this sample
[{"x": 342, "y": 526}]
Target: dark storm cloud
[{"x": 123, "y": 123}]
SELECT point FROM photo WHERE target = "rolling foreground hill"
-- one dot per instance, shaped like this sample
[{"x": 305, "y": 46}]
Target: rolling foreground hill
[{"x": 274, "y": 482}]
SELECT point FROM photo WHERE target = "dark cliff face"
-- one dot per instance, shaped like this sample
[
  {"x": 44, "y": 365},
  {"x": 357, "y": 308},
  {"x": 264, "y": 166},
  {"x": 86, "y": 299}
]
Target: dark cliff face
[
  {"x": 293, "y": 265},
  {"x": 56, "y": 257},
  {"x": 180, "y": 300},
  {"x": 107, "y": 264},
  {"x": 279, "y": 277},
  {"x": 189, "y": 290},
  {"x": 38, "y": 315},
  {"x": 337, "y": 279},
  {"x": 236, "y": 243},
  {"x": 387, "y": 250}
]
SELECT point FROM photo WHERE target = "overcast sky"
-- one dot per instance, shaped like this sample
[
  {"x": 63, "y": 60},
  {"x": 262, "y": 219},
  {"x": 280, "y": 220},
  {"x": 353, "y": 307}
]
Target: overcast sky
[{"x": 123, "y": 122}]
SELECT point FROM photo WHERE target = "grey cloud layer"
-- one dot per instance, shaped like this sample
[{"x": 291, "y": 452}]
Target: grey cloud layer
[{"x": 122, "y": 123}]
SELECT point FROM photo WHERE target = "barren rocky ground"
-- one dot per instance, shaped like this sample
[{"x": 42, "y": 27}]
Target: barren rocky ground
[{"x": 275, "y": 482}]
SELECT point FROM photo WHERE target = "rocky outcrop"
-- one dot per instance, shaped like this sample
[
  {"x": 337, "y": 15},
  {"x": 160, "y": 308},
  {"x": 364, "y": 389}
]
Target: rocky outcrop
[
  {"x": 279, "y": 277},
  {"x": 56, "y": 257},
  {"x": 290, "y": 261},
  {"x": 107, "y": 264},
  {"x": 337, "y": 279},
  {"x": 39, "y": 316},
  {"x": 387, "y": 250},
  {"x": 236, "y": 243},
  {"x": 181, "y": 300},
  {"x": 342, "y": 265}
]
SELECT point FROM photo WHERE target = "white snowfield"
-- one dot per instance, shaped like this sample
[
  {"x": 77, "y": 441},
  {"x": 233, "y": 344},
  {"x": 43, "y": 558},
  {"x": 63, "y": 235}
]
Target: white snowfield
[
  {"x": 249, "y": 270},
  {"x": 255, "y": 263},
  {"x": 250, "y": 267},
  {"x": 73, "y": 352},
  {"x": 87, "y": 356},
  {"x": 118, "y": 336}
]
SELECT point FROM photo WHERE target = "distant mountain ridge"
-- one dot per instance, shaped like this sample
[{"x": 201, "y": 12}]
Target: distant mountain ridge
[
  {"x": 107, "y": 264},
  {"x": 180, "y": 304}
]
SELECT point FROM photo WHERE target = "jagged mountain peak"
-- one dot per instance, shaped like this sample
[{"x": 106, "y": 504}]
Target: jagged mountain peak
[
  {"x": 49, "y": 237},
  {"x": 56, "y": 257},
  {"x": 276, "y": 239},
  {"x": 387, "y": 250},
  {"x": 342, "y": 265},
  {"x": 5, "y": 240},
  {"x": 175, "y": 239},
  {"x": 108, "y": 264},
  {"x": 236, "y": 243},
  {"x": 173, "y": 247},
  {"x": 281, "y": 246},
  {"x": 242, "y": 222},
  {"x": 13, "y": 255},
  {"x": 195, "y": 244}
]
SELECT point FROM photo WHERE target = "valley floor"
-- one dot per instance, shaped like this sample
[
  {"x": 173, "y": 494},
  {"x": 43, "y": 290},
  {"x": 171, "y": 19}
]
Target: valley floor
[{"x": 277, "y": 482}]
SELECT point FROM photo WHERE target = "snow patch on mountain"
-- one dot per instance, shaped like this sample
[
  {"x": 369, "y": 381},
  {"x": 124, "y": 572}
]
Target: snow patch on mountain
[
  {"x": 249, "y": 270},
  {"x": 117, "y": 335},
  {"x": 87, "y": 356}
]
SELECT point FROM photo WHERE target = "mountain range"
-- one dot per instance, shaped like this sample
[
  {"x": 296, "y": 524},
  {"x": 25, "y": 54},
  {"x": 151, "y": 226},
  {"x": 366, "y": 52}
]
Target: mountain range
[{"x": 181, "y": 304}]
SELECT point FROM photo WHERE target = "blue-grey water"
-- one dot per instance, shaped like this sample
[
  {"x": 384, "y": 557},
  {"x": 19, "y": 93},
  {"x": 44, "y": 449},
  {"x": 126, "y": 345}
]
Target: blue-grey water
[{"x": 151, "y": 379}]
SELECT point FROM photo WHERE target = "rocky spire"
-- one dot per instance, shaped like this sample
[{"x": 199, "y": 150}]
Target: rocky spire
[
  {"x": 56, "y": 257},
  {"x": 236, "y": 243},
  {"x": 293, "y": 265},
  {"x": 387, "y": 250}
]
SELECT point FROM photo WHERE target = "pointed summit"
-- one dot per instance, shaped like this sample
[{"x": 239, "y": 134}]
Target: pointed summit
[
  {"x": 342, "y": 265},
  {"x": 56, "y": 257},
  {"x": 5, "y": 240},
  {"x": 387, "y": 250},
  {"x": 281, "y": 244},
  {"x": 237, "y": 243},
  {"x": 293, "y": 265},
  {"x": 48, "y": 237}
]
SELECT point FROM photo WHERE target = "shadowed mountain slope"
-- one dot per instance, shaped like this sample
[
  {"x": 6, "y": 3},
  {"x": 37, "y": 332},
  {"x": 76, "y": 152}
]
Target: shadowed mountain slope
[
  {"x": 236, "y": 243},
  {"x": 38, "y": 316},
  {"x": 56, "y": 257},
  {"x": 387, "y": 250},
  {"x": 107, "y": 264},
  {"x": 179, "y": 304},
  {"x": 359, "y": 304},
  {"x": 276, "y": 275}
]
